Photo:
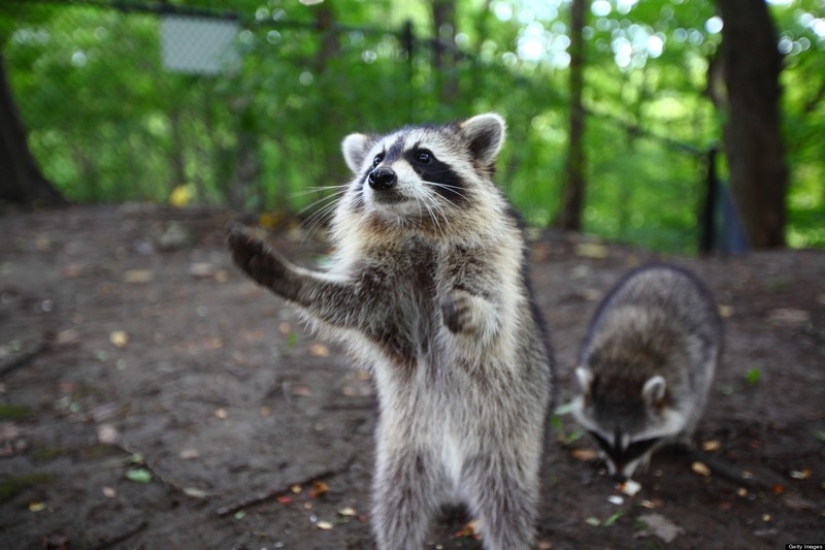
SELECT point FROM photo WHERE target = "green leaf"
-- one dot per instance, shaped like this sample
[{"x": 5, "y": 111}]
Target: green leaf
[
  {"x": 753, "y": 376},
  {"x": 139, "y": 475},
  {"x": 613, "y": 519}
]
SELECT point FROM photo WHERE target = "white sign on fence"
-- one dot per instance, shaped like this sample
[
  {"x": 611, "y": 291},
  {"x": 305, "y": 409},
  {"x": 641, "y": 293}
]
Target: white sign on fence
[{"x": 200, "y": 45}]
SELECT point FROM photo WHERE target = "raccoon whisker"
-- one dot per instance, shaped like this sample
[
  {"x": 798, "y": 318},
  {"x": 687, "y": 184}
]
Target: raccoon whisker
[
  {"x": 316, "y": 219},
  {"x": 332, "y": 196},
  {"x": 452, "y": 188},
  {"x": 430, "y": 205},
  {"x": 436, "y": 208},
  {"x": 318, "y": 189}
]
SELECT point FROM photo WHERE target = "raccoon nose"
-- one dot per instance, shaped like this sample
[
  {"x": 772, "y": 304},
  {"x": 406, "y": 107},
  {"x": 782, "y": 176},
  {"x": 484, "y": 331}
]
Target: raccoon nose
[{"x": 382, "y": 179}]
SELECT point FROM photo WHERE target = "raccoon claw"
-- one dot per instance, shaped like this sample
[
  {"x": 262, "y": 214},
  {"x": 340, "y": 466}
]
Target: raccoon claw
[
  {"x": 456, "y": 312},
  {"x": 254, "y": 257}
]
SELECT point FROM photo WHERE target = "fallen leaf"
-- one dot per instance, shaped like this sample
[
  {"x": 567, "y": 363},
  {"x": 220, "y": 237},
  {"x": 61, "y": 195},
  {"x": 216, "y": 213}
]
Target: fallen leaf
[
  {"x": 67, "y": 336},
  {"x": 138, "y": 276},
  {"x": 659, "y": 526},
  {"x": 470, "y": 529},
  {"x": 301, "y": 391},
  {"x": 324, "y": 525},
  {"x": 630, "y": 487},
  {"x": 319, "y": 488},
  {"x": 194, "y": 492},
  {"x": 296, "y": 489},
  {"x": 741, "y": 492},
  {"x": 651, "y": 504},
  {"x": 37, "y": 506},
  {"x": 202, "y": 270},
  {"x": 319, "y": 350},
  {"x": 119, "y": 338},
  {"x": 189, "y": 454},
  {"x": 801, "y": 474},
  {"x": 594, "y": 521},
  {"x": 725, "y": 310},
  {"x": 615, "y": 499},
  {"x": 109, "y": 492},
  {"x": 348, "y": 512},
  {"x": 766, "y": 517},
  {"x": 613, "y": 518},
  {"x": 700, "y": 468},
  {"x": 139, "y": 475},
  {"x": 711, "y": 445},
  {"x": 585, "y": 455},
  {"x": 107, "y": 434},
  {"x": 221, "y": 413},
  {"x": 284, "y": 499},
  {"x": 777, "y": 489}
]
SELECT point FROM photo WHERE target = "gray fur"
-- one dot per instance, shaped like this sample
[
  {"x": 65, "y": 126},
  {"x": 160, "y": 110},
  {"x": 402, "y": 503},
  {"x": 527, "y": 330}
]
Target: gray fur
[
  {"x": 647, "y": 364},
  {"x": 428, "y": 288}
]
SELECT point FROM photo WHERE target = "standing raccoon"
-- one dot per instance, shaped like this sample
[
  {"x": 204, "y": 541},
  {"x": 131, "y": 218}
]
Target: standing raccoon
[
  {"x": 428, "y": 286},
  {"x": 647, "y": 364}
]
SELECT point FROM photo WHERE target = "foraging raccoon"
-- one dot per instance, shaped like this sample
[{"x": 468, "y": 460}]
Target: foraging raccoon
[
  {"x": 647, "y": 364},
  {"x": 428, "y": 286}
]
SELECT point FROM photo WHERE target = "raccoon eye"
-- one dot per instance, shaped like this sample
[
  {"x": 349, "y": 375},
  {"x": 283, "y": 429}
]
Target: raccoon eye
[
  {"x": 423, "y": 156},
  {"x": 377, "y": 160}
]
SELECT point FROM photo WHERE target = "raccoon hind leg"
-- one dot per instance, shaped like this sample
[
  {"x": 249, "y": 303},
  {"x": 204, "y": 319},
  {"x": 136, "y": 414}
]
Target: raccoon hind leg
[
  {"x": 503, "y": 495},
  {"x": 405, "y": 499}
]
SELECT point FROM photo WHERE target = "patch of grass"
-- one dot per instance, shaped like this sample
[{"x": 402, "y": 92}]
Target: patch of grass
[
  {"x": 14, "y": 412},
  {"x": 753, "y": 376},
  {"x": 11, "y": 485}
]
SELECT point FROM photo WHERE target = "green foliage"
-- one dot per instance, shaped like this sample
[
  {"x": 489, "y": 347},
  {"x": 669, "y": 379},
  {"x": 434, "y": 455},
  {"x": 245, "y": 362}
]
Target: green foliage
[{"x": 107, "y": 123}]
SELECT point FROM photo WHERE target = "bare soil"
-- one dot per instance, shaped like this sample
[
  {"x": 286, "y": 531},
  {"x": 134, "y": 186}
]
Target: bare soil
[{"x": 152, "y": 397}]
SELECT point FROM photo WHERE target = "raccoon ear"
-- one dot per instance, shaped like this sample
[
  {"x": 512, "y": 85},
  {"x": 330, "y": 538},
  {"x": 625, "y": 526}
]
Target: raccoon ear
[
  {"x": 654, "y": 390},
  {"x": 585, "y": 378},
  {"x": 485, "y": 134},
  {"x": 355, "y": 147}
]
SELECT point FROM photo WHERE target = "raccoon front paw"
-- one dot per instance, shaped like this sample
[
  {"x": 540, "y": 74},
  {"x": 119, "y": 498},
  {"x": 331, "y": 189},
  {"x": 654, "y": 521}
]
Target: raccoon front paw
[
  {"x": 456, "y": 310},
  {"x": 254, "y": 257}
]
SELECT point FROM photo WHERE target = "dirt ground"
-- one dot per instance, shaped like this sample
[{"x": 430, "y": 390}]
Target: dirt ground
[{"x": 152, "y": 397}]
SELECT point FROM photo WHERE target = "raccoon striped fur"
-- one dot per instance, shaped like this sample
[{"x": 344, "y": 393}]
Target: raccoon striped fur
[{"x": 428, "y": 288}]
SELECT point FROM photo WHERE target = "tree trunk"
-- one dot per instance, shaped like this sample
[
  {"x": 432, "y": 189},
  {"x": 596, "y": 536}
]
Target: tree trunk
[
  {"x": 21, "y": 181},
  {"x": 572, "y": 197},
  {"x": 751, "y": 64},
  {"x": 444, "y": 54}
]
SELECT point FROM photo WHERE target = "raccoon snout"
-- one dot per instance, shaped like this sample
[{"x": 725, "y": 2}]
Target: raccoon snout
[
  {"x": 382, "y": 179},
  {"x": 619, "y": 477}
]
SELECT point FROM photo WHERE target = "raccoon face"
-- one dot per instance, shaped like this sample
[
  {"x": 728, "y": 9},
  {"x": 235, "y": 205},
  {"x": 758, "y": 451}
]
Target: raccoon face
[
  {"x": 422, "y": 172},
  {"x": 627, "y": 427}
]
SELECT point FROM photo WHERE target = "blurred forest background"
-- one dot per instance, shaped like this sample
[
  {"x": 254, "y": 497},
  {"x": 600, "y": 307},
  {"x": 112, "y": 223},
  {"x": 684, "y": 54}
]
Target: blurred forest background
[{"x": 616, "y": 108}]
